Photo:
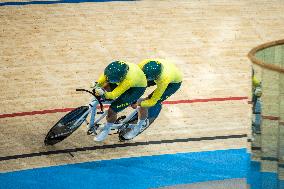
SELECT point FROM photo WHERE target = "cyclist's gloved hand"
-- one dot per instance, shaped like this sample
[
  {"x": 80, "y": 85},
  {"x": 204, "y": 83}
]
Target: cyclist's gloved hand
[
  {"x": 94, "y": 85},
  {"x": 99, "y": 91}
]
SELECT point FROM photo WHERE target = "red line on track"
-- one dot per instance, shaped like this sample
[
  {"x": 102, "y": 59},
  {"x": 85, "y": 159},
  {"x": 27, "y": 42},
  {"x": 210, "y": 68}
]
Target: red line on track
[
  {"x": 273, "y": 118},
  {"x": 39, "y": 112},
  {"x": 204, "y": 100},
  {"x": 35, "y": 112}
]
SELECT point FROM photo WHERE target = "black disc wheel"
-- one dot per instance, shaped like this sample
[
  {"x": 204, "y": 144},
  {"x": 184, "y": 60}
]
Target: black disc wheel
[{"x": 65, "y": 126}]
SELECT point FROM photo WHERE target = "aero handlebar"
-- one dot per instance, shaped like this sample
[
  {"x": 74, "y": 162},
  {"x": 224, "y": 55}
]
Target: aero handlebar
[{"x": 97, "y": 97}]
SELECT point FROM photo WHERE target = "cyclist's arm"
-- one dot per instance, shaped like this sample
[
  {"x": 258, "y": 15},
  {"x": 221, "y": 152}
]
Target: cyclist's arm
[
  {"x": 119, "y": 90},
  {"x": 159, "y": 91},
  {"x": 102, "y": 81}
]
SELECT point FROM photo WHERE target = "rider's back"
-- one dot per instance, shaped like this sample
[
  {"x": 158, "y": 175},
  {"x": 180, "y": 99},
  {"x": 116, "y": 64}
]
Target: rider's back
[
  {"x": 170, "y": 73},
  {"x": 134, "y": 78}
]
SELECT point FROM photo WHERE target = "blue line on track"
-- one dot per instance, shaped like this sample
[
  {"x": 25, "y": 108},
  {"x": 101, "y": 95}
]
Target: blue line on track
[
  {"x": 135, "y": 173},
  {"x": 145, "y": 172},
  {"x": 54, "y": 2}
]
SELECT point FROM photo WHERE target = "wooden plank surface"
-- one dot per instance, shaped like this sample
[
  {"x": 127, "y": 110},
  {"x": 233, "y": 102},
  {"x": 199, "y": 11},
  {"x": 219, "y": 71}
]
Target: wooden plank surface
[{"x": 47, "y": 51}]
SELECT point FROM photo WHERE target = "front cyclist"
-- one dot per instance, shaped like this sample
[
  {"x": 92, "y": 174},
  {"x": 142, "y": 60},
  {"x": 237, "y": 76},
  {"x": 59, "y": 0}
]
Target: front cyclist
[
  {"x": 168, "y": 79},
  {"x": 129, "y": 83}
]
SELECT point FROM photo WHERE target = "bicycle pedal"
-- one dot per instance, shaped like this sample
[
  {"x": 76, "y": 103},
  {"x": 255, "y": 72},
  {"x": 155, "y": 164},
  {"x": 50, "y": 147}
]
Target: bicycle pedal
[
  {"x": 123, "y": 127},
  {"x": 90, "y": 132},
  {"x": 93, "y": 130},
  {"x": 120, "y": 119}
]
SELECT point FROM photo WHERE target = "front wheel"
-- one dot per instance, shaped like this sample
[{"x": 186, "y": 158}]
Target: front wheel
[{"x": 65, "y": 126}]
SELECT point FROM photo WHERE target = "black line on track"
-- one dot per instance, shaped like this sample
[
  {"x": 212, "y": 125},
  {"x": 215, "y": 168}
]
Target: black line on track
[
  {"x": 112, "y": 146},
  {"x": 257, "y": 148},
  {"x": 269, "y": 158},
  {"x": 48, "y": 2}
]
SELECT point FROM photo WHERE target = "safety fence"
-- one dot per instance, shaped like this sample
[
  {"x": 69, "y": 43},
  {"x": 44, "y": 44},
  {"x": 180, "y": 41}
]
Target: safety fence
[{"x": 268, "y": 144}]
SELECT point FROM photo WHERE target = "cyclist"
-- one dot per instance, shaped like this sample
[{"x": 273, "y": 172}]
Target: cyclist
[
  {"x": 126, "y": 83},
  {"x": 256, "y": 87},
  {"x": 167, "y": 77},
  {"x": 256, "y": 94}
]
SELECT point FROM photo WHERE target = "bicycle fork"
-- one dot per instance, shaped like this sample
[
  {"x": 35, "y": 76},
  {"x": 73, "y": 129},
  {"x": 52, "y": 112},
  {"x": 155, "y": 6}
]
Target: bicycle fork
[{"x": 93, "y": 109}]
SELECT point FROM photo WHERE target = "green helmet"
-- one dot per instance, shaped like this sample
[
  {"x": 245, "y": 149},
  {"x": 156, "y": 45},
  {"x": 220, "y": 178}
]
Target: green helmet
[
  {"x": 116, "y": 71},
  {"x": 152, "y": 70}
]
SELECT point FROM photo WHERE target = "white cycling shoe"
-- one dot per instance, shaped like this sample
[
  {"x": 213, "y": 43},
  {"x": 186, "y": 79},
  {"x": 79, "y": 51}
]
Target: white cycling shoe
[
  {"x": 136, "y": 128},
  {"x": 104, "y": 133}
]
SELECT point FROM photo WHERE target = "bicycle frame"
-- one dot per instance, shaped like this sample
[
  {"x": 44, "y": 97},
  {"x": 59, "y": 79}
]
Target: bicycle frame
[
  {"x": 74, "y": 119},
  {"x": 93, "y": 111}
]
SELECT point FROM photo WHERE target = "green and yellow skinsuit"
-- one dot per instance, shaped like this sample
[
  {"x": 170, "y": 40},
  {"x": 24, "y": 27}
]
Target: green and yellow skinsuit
[
  {"x": 127, "y": 91},
  {"x": 256, "y": 91},
  {"x": 255, "y": 82},
  {"x": 167, "y": 84}
]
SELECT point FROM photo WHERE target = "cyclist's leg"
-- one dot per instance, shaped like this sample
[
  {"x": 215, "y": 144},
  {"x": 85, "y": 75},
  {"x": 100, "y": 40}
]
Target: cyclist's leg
[
  {"x": 112, "y": 115},
  {"x": 119, "y": 104},
  {"x": 111, "y": 118},
  {"x": 171, "y": 89},
  {"x": 127, "y": 98},
  {"x": 124, "y": 100}
]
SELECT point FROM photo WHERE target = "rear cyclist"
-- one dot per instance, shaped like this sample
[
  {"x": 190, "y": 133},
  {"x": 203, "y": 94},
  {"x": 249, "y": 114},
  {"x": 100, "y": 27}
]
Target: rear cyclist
[
  {"x": 168, "y": 79},
  {"x": 127, "y": 83}
]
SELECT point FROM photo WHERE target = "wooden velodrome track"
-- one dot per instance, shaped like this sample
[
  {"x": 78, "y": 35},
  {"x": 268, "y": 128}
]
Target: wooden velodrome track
[{"x": 47, "y": 51}]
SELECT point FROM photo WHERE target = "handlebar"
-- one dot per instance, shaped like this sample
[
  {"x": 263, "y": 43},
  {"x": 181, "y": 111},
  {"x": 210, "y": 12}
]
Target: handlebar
[{"x": 97, "y": 97}]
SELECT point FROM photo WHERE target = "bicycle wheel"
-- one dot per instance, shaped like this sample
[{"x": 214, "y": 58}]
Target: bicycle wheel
[
  {"x": 125, "y": 128},
  {"x": 153, "y": 113},
  {"x": 65, "y": 126}
]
